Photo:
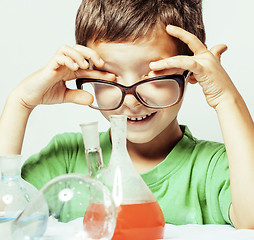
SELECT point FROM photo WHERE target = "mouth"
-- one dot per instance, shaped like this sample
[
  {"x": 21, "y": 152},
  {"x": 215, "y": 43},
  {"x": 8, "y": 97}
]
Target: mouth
[{"x": 140, "y": 119}]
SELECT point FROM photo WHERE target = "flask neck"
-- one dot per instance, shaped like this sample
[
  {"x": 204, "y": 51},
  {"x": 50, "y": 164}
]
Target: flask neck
[
  {"x": 92, "y": 148},
  {"x": 94, "y": 161},
  {"x": 10, "y": 166},
  {"x": 118, "y": 132}
]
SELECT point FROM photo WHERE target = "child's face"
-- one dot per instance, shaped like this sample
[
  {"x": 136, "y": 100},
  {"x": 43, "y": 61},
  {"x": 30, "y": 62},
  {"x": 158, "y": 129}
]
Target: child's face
[{"x": 130, "y": 63}]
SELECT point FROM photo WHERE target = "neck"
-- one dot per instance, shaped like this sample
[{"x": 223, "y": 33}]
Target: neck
[{"x": 157, "y": 149}]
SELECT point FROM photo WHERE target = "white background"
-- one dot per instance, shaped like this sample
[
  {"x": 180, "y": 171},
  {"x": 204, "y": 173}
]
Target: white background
[{"x": 31, "y": 31}]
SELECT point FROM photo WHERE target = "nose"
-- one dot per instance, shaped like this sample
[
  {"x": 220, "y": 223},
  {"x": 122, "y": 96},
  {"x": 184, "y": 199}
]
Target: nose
[{"x": 130, "y": 101}]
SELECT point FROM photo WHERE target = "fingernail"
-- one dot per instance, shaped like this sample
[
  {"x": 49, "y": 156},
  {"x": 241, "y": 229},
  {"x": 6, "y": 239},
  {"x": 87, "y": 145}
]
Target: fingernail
[
  {"x": 170, "y": 26},
  {"x": 101, "y": 61},
  {"x": 111, "y": 76},
  {"x": 75, "y": 65},
  {"x": 86, "y": 63},
  {"x": 151, "y": 74},
  {"x": 153, "y": 64}
]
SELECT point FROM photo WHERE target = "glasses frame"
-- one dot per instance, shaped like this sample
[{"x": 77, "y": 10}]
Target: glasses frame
[{"x": 179, "y": 78}]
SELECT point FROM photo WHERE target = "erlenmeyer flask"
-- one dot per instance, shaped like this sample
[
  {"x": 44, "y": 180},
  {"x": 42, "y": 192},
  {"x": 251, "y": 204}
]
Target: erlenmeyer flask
[{"x": 139, "y": 214}]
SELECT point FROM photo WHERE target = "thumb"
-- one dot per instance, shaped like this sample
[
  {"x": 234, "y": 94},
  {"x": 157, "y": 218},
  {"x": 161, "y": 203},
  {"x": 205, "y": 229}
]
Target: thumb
[
  {"x": 218, "y": 50},
  {"x": 78, "y": 96}
]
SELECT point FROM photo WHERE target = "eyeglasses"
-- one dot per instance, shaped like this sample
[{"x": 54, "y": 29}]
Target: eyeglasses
[{"x": 157, "y": 92}]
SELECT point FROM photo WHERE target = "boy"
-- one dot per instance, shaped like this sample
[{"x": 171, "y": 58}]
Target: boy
[{"x": 124, "y": 42}]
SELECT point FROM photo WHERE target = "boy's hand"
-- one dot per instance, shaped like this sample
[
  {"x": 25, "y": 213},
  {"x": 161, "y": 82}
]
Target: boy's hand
[
  {"x": 204, "y": 64},
  {"x": 47, "y": 86}
]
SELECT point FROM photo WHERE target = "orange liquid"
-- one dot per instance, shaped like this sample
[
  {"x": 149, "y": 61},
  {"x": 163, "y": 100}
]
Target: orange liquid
[
  {"x": 94, "y": 221},
  {"x": 141, "y": 221}
]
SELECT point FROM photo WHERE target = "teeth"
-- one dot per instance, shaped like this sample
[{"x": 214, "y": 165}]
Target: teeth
[{"x": 139, "y": 118}]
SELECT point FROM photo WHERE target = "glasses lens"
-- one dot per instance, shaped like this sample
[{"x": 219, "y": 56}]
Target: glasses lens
[
  {"x": 159, "y": 93},
  {"x": 106, "y": 96}
]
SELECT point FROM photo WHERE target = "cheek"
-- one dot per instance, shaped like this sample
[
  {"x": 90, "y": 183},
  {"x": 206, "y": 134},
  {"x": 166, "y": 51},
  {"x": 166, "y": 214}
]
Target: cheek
[
  {"x": 106, "y": 114},
  {"x": 171, "y": 112}
]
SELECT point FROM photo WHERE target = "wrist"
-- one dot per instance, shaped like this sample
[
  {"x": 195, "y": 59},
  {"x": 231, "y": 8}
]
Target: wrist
[
  {"x": 228, "y": 100},
  {"x": 12, "y": 125},
  {"x": 15, "y": 101}
]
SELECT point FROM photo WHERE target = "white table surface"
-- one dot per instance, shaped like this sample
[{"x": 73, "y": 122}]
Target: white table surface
[{"x": 67, "y": 231}]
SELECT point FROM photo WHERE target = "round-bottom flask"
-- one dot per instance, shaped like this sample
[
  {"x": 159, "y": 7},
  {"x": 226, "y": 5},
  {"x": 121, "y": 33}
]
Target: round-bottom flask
[
  {"x": 139, "y": 214},
  {"x": 15, "y": 193},
  {"x": 69, "y": 197}
]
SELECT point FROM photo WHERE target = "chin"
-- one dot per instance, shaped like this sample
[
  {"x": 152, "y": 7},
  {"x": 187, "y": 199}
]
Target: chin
[{"x": 138, "y": 139}]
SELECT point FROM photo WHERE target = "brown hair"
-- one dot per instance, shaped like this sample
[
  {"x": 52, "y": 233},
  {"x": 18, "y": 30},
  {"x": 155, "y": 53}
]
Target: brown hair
[{"x": 129, "y": 20}]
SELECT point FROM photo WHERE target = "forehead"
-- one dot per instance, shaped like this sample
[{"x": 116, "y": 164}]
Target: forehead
[{"x": 155, "y": 46}]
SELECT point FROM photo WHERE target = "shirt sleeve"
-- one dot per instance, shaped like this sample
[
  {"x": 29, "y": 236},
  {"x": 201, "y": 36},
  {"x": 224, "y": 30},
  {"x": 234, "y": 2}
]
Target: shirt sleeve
[
  {"x": 218, "y": 187},
  {"x": 64, "y": 154}
]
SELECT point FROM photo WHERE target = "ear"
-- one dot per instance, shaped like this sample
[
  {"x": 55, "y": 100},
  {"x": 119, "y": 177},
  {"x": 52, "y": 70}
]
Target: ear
[{"x": 192, "y": 79}]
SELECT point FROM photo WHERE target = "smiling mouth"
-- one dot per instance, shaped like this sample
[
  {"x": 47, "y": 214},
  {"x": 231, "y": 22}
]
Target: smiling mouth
[{"x": 141, "y": 118}]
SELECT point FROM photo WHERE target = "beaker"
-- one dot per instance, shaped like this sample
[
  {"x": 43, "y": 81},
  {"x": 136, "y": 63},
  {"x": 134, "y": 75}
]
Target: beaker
[{"x": 139, "y": 214}]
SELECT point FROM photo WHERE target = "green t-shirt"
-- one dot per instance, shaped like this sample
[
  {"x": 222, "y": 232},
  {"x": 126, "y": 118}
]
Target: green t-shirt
[{"x": 191, "y": 185}]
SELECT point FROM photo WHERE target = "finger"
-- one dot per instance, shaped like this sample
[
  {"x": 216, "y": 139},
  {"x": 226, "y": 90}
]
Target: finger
[
  {"x": 61, "y": 60},
  {"x": 218, "y": 50},
  {"x": 191, "y": 78},
  {"x": 90, "y": 54},
  {"x": 73, "y": 54},
  {"x": 95, "y": 74},
  {"x": 180, "y": 62},
  {"x": 195, "y": 45},
  {"x": 165, "y": 72},
  {"x": 78, "y": 96}
]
